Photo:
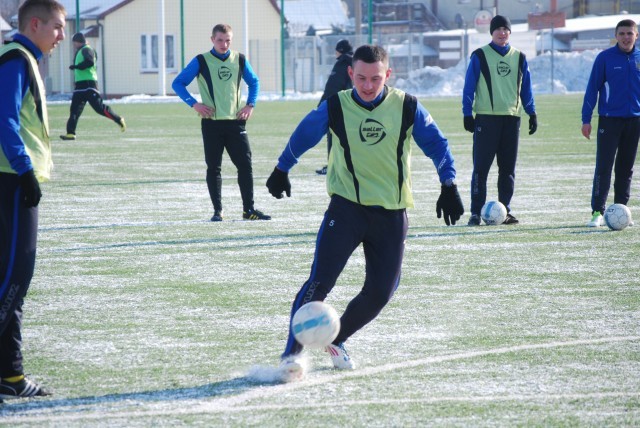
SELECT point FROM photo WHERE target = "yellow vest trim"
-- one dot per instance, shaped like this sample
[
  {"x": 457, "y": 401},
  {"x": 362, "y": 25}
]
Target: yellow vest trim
[
  {"x": 219, "y": 84},
  {"x": 498, "y": 89},
  {"x": 34, "y": 121},
  {"x": 370, "y": 163}
]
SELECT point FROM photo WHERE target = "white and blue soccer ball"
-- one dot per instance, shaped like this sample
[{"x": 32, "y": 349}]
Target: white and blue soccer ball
[
  {"x": 493, "y": 212},
  {"x": 617, "y": 216},
  {"x": 315, "y": 324}
]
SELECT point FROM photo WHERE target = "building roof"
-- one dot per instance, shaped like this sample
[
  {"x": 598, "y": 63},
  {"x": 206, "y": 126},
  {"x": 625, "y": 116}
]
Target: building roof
[
  {"x": 4, "y": 25},
  {"x": 321, "y": 15},
  {"x": 98, "y": 9}
]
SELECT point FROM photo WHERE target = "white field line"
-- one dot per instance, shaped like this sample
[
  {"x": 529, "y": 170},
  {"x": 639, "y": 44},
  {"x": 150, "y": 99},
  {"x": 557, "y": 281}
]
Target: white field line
[{"x": 235, "y": 403}]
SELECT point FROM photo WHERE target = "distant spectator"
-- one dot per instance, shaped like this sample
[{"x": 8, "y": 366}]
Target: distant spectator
[{"x": 338, "y": 80}]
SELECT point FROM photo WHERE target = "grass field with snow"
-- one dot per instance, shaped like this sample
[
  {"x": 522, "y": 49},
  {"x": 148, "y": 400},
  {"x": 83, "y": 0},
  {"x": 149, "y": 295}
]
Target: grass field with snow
[{"x": 144, "y": 313}]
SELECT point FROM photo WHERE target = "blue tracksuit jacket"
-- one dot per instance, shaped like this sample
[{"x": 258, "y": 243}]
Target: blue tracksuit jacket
[{"x": 615, "y": 83}]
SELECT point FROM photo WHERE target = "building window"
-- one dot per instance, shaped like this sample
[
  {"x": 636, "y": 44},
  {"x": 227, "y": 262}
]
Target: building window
[{"x": 149, "y": 52}]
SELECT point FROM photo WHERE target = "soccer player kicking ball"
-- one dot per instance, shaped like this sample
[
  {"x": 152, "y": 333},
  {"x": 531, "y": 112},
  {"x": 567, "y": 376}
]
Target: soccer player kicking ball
[{"x": 368, "y": 179}]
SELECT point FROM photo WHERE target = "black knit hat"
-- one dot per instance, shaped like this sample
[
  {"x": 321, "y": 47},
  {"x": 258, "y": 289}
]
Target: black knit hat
[
  {"x": 79, "y": 37},
  {"x": 499, "y": 21},
  {"x": 343, "y": 46}
]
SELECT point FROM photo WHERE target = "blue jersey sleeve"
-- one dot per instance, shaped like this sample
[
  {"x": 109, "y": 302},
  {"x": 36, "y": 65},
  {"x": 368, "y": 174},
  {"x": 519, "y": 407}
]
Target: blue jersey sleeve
[
  {"x": 307, "y": 134},
  {"x": 183, "y": 80},
  {"x": 526, "y": 90},
  {"x": 596, "y": 80},
  {"x": 252, "y": 81},
  {"x": 12, "y": 90},
  {"x": 470, "y": 83},
  {"x": 433, "y": 143}
]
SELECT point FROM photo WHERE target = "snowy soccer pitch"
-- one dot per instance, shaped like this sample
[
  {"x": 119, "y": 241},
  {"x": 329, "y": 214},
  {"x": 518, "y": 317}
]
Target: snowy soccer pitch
[{"x": 143, "y": 313}]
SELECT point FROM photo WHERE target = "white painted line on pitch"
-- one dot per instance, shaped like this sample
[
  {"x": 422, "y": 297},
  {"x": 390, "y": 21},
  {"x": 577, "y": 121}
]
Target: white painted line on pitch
[
  {"x": 235, "y": 403},
  {"x": 431, "y": 400}
]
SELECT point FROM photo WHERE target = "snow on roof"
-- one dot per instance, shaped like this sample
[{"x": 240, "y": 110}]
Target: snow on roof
[
  {"x": 322, "y": 15},
  {"x": 585, "y": 23},
  {"x": 4, "y": 25},
  {"x": 91, "y": 9}
]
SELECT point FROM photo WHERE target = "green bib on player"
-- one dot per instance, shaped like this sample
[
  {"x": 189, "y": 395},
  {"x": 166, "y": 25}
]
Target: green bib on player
[
  {"x": 371, "y": 162},
  {"x": 219, "y": 83},
  {"x": 34, "y": 128},
  {"x": 498, "y": 89},
  {"x": 88, "y": 73}
]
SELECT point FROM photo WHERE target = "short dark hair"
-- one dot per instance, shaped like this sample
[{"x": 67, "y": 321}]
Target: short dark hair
[
  {"x": 627, "y": 23},
  {"x": 221, "y": 28},
  {"x": 371, "y": 54},
  {"x": 41, "y": 9}
]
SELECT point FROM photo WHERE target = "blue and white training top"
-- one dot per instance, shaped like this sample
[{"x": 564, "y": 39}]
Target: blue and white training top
[{"x": 615, "y": 83}]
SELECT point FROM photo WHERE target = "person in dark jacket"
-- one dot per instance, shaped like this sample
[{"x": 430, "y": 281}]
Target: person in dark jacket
[
  {"x": 338, "y": 80},
  {"x": 86, "y": 88},
  {"x": 615, "y": 83}
]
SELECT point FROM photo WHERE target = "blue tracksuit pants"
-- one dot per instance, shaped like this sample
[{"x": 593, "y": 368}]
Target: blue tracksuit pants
[
  {"x": 495, "y": 137},
  {"x": 345, "y": 226},
  {"x": 18, "y": 233},
  {"x": 617, "y": 145}
]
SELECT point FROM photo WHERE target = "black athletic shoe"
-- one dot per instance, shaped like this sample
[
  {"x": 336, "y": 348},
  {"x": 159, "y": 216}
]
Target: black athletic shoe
[
  {"x": 255, "y": 215},
  {"x": 474, "y": 220},
  {"x": 510, "y": 220},
  {"x": 322, "y": 171},
  {"x": 217, "y": 216},
  {"x": 22, "y": 388}
]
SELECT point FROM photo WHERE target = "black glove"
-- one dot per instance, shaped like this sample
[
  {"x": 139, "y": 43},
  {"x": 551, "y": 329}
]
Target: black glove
[
  {"x": 31, "y": 193},
  {"x": 469, "y": 124},
  {"x": 450, "y": 203},
  {"x": 278, "y": 182},
  {"x": 72, "y": 67},
  {"x": 533, "y": 123}
]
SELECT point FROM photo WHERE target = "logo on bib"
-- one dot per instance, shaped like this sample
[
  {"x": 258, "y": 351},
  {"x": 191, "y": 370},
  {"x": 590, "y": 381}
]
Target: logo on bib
[
  {"x": 224, "y": 73},
  {"x": 372, "y": 132},
  {"x": 503, "y": 69}
]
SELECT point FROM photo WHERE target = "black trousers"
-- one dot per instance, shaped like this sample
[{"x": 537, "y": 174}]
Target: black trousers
[
  {"x": 495, "y": 137},
  {"x": 345, "y": 226},
  {"x": 18, "y": 236},
  {"x": 82, "y": 95},
  {"x": 229, "y": 135},
  {"x": 617, "y": 145}
]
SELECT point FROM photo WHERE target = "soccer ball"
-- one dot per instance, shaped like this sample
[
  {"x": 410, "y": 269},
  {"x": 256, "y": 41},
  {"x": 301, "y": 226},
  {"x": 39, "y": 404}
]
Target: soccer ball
[
  {"x": 617, "y": 216},
  {"x": 493, "y": 212},
  {"x": 315, "y": 324}
]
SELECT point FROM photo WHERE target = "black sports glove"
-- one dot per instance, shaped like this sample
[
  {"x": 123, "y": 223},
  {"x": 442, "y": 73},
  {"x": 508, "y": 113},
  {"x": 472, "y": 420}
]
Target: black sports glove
[
  {"x": 278, "y": 182},
  {"x": 450, "y": 203},
  {"x": 533, "y": 123},
  {"x": 31, "y": 193},
  {"x": 469, "y": 124},
  {"x": 72, "y": 67}
]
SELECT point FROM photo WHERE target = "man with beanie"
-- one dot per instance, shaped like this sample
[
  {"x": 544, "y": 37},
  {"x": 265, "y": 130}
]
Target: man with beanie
[
  {"x": 338, "y": 80},
  {"x": 86, "y": 88},
  {"x": 497, "y": 87}
]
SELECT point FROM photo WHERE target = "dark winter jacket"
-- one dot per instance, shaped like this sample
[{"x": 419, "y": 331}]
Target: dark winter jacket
[{"x": 339, "y": 78}]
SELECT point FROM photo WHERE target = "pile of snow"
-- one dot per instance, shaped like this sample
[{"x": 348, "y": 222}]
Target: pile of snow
[{"x": 571, "y": 72}]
